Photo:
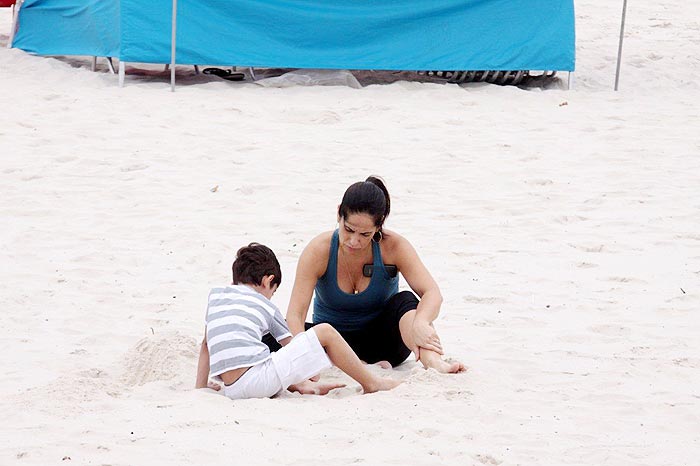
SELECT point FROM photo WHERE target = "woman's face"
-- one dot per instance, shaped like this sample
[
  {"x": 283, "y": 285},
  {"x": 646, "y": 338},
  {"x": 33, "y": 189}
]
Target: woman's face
[{"x": 355, "y": 232}]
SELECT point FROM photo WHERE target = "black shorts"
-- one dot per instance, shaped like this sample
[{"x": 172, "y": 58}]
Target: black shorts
[{"x": 380, "y": 339}]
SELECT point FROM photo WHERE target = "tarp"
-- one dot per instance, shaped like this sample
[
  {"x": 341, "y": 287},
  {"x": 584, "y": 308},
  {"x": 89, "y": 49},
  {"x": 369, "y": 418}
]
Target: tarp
[
  {"x": 339, "y": 34},
  {"x": 72, "y": 27}
]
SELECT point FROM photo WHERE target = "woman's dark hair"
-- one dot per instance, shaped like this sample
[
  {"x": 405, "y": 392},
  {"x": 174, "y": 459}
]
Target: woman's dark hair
[
  {"x": 253, "y": 262},
  {"x": 367, "y": 197}
]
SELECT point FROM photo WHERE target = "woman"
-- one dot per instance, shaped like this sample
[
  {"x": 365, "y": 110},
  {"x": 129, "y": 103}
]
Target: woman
[{"x": 354, "y": 273}]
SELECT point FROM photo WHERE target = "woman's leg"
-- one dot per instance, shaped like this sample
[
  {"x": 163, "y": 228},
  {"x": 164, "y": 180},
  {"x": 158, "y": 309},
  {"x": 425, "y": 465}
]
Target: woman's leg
[{"x": 429, "y": 358}]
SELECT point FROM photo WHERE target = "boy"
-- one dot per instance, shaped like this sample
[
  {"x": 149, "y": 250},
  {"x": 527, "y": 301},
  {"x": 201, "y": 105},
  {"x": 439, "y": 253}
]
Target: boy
[{"x": 237, "y": 318}]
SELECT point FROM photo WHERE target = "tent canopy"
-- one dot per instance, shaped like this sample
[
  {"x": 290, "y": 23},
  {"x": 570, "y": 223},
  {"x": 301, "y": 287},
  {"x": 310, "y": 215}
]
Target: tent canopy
[{"x": 344, "y": 34}]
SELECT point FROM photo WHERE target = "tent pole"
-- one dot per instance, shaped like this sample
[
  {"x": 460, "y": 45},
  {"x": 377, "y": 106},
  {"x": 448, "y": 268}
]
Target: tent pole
[
  {"x": 173, "y": 45},
  {"x": 14, "y": 12},
  {"x": 619, "y": 48},
  {"x": 122, "y": 72},
  {"x": 570, "y": 81},
  {"x": 12, "y": 27}
]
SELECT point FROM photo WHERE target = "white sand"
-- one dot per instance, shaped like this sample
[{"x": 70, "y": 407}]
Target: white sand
[{"x": 563, "y": 227}]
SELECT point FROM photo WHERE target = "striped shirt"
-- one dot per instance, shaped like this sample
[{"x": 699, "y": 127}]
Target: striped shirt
[{"x": 237, "y": 319}]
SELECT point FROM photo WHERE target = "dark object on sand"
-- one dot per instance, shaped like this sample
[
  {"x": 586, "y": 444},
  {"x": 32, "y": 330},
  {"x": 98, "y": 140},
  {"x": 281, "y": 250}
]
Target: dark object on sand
[{"x": 228, "y": 75}]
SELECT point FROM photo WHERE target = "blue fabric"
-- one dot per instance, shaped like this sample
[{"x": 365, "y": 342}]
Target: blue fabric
[
  {"x": 379, "y": 34},
  {"x": 345, "y": 311},
  {"x": 69, "y": 27},
  {"x": 339, "y": 34}
]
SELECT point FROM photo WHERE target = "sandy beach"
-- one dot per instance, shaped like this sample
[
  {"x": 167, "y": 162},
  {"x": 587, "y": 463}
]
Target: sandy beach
[{"x": 563, "y": 227}]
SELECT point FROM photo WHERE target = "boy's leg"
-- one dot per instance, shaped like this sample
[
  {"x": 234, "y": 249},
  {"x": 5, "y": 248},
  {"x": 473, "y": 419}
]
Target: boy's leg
[
  {"x": 273, "y": 345},
  {"x": 342, "y": 356}
]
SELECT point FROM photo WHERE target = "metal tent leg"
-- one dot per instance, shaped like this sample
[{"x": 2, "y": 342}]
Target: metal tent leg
[
  {"x": 93, "y": 64},
  {"x": 110, "y": 65},
  {"x": 122, "y": 73},
  {"x": 173, "y": 46},
  {"x": 619, "y": 47},
  {"x": 14, "y": 12}
]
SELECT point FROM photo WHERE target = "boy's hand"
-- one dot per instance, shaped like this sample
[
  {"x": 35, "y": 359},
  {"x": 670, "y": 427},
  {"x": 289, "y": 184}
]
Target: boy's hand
[
  {"x": 314, "y": 388},
  {"x": 213, "y": 385}
]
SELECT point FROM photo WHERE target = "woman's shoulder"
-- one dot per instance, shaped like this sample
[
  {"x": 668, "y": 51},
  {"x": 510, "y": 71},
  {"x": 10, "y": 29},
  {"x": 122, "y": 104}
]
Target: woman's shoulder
[
  {"x": 393, "y": 244},
  {"x": 315, "y": 256},
  {"x": 319, "y": 246},
  {"x": 321, "y": 241}
]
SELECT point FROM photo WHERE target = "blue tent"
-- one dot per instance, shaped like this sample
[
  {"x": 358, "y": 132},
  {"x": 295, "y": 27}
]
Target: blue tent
[{"x": 342, "y": 34}]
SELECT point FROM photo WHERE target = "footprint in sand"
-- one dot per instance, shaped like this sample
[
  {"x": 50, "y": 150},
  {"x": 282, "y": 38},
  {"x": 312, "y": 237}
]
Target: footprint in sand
[
  {"x": 487, "y": 459},
  {"x": 624, "y": 280},
  {"x": 428, "y": 433},
  {"x": 134, "y": 167},
  {"x": 569, "y": 219},
  {"x": 482, "y": 300},
  {"x": 588, "y": 247},
  {"x": 326, "y": 118},
  {"x": 540, "y": 182},
  {"x": 611, "y": 330}
]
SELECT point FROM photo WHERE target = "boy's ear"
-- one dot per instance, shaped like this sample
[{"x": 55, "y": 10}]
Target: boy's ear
[{"x": 267, "y": 281}]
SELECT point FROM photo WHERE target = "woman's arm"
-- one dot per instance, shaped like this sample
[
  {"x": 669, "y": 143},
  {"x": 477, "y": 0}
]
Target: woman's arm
[
  {"x": 312, "y": 265},
  {"x": 424, "y": 285}
]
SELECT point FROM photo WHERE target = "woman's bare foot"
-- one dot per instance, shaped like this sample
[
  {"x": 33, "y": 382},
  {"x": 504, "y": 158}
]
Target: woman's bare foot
[
  {"x": 380, "y": 364},
  {"x": 381, "y": 384},
  {"x": 432, "y": 360},
  {"x": 446, "y": 367}
]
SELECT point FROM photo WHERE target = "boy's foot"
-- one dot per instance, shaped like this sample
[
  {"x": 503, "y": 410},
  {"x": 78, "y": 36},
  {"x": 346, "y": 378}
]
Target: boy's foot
[{"x": 314, "y": 388}]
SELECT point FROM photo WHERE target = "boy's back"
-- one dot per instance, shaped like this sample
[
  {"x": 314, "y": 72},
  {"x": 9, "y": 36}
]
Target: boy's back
[{"x": 237, "y": 318}]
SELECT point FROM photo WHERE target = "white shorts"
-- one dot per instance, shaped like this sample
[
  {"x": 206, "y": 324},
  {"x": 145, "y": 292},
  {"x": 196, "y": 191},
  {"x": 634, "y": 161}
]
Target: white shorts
[{"x": 301, "y": 359}]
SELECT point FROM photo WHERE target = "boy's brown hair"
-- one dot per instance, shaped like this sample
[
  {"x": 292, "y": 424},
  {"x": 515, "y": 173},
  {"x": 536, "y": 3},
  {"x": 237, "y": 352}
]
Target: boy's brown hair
[{"x": 253, "y": 262}]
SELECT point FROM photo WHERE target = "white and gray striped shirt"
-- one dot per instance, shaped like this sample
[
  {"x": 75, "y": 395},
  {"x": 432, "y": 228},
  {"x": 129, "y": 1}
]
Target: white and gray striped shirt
[{"x": 237, "y": 319}]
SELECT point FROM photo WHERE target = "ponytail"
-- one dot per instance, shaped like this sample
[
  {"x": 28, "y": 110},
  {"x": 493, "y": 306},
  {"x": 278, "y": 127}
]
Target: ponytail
[{"x": 367, "y": 197}]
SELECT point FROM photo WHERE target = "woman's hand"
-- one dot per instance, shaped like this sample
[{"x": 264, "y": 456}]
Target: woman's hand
[{"x": 425, "y": 336}]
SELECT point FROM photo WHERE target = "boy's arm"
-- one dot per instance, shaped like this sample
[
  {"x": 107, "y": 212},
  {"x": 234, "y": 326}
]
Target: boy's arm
[{"x": 203, "y": 367}]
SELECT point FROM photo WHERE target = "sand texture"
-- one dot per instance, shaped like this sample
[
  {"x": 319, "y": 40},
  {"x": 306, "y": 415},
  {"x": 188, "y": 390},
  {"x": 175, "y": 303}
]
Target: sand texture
[{"x": 562, "y": 226}]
